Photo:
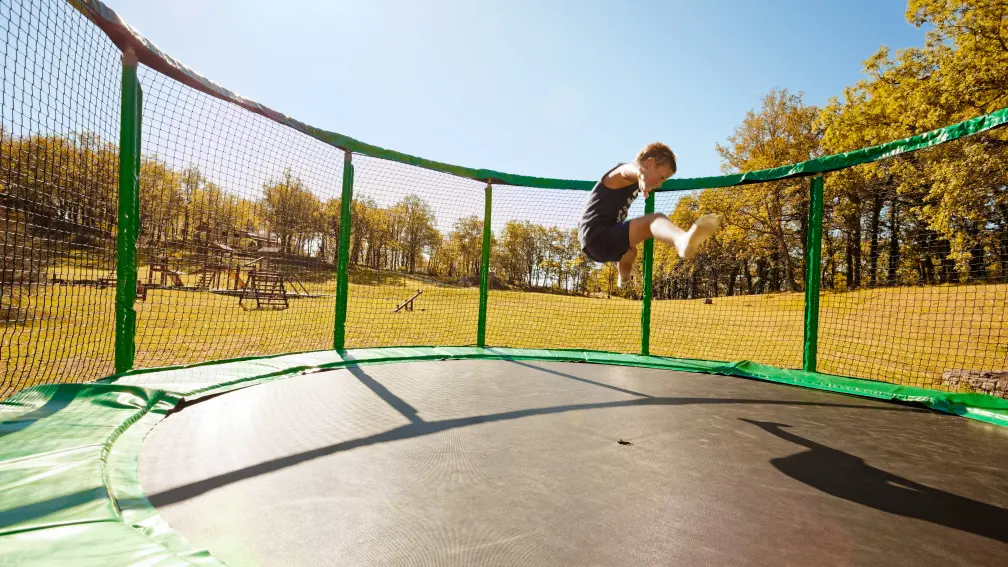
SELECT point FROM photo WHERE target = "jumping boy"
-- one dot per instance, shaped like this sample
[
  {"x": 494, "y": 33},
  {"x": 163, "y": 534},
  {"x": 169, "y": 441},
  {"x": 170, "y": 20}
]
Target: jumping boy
[{"x": 604, "y": 232}]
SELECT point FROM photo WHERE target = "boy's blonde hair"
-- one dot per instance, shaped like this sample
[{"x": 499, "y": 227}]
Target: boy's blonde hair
[{"x": 661, "y": 153}]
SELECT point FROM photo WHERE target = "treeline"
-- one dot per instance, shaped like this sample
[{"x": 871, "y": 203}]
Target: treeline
[
  {"x": 185, "y": 209},
  {"x": 938, "y": 216},
  {"x": 61, "y": 193},
  {"x": 59, "y": 187}
]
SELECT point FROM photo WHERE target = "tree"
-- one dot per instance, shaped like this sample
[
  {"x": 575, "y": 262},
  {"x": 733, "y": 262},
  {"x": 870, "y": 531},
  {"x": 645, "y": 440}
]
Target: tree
[
  {"x": 360, "y": 229},
  {"x": 191, "y": 179},
  {"x": 216, "y": 213},
  {"x": 416, "y": 220},
  {"x": 969, "y": 50},
  {"x": 65, "y": 186},
  {"x": 520, "y": 252},
  {"x": 161, "y": 201},
  {"x": 467, "y": 240},
  {"x": 784, "y": 131},
  {"x": 940, "y": 206},
  {"x": 289, "y": 210},
  {"x": 330, "y": 228}
]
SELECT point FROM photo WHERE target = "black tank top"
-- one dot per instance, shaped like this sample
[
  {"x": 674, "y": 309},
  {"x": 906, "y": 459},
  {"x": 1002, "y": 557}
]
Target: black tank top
[{"x": 605, "y": 207}]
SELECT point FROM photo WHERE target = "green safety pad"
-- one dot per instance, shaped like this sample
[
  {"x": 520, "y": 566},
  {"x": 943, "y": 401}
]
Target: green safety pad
[{"x": 55, "y": 502}]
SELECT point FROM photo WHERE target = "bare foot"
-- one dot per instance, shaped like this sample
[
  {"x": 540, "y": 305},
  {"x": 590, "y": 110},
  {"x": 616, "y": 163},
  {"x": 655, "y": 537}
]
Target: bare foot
[
  {"x": 688, "y": 242},
  {"x": 624, "y": 276}
]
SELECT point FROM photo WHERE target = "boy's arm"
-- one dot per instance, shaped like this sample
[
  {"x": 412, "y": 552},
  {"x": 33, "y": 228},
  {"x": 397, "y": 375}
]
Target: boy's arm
[
  {"x": 626, "y": 175},
  {"x": 623, "y": 176}
]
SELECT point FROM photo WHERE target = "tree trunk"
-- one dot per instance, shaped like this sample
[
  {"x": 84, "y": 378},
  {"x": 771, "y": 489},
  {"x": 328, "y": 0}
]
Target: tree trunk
[
  {"x": 782, "y": 250},
  {"x": 928, "y": 270},
  {"x": 978, "y": 261},
  {"x": 1003, "y": 241},
  {"x": 731, "y": 280},
  {"x": 948, "y": 267},
  {"x": 849, "y": 261},
  {"x": 892, "y": 274},
  {"x": 856, "y": 249},
  {"x": 784, "y": 261},
  {"x": 873, "y": 250},
  {"x": 715, "y": 275},
  {"x": 803, "y": 209},
  {"x": 829, "y": 266}
]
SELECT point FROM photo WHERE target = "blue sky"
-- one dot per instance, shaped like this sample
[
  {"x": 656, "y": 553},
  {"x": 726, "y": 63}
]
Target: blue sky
[{"x": 557, "y": 89}]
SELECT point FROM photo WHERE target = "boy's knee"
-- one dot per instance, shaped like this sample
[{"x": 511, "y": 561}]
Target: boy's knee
[{"x": 654, "y": 216}]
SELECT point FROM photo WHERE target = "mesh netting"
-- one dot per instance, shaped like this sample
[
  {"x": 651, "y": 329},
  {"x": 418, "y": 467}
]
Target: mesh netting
[
  {"x": 59, "y": 125},
  {"x": 240, "y": 225},
  {"x": 415, "y": 242},
  {"x": 239, "y": 231},
  {"x": 915, "y": 268},
  {"x": 544, "y": 292},
  {"x": 742, "y": 296}
]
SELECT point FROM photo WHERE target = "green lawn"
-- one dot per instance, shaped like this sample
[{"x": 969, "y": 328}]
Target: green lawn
[{"x": 907, "y": 335}]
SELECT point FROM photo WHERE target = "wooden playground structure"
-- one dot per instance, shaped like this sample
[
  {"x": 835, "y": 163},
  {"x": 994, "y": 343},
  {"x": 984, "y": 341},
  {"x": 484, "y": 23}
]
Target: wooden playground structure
[
  {"x": 261, "y": 282},
  {"x": 167, "y": 276},
  {"x": 264, "y": 291},
  {"x": 266, "y": 280}
]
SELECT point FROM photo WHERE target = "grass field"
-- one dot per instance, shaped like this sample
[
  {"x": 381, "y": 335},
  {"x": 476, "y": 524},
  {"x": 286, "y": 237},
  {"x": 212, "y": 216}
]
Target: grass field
[{"x": 906, "y": 335}]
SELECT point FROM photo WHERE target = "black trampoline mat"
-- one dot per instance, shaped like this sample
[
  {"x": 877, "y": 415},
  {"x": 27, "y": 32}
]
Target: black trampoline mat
[{"x": 520, "y": 463}]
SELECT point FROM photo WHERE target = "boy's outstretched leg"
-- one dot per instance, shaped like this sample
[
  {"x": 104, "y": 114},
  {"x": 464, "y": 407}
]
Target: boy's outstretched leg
[
  {"x": 626, "y": 266},
  {"x": 659, "y": 226}
]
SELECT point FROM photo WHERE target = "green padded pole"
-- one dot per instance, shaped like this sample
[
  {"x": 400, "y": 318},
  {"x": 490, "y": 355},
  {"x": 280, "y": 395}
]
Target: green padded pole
[
  {"x": 129, "y": 215},
  {"x": 136, "y": 169},
  {"x": 645, "y": 327},
  {"x": 484, "y": 268},
  {"x": 813, "y": 273},
  {"x": 343, "y": 262}
]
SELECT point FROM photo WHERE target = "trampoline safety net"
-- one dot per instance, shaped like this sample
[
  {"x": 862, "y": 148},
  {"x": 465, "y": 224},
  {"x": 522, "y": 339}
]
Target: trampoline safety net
[{"x": 259, "y": 235}]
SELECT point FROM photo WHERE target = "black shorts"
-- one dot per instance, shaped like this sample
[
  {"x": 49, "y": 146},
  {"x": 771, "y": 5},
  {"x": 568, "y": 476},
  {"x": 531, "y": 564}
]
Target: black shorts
[{"x": 607, "y": 243}]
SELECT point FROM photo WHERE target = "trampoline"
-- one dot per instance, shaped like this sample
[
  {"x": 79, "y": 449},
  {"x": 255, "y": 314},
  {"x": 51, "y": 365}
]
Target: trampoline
[
  {"x": 514, "y": 462},
  {"x": 521, "y": 414}
]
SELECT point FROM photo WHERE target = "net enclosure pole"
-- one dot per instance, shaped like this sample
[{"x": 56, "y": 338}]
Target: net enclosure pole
[
  {"x": 813, "y": 273},
  {"x": 646, "y": 281},
  {"x": 343, "y": 258},
  {"x": 128, "y": 215},
  {"x": 485, "y": 267}
]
